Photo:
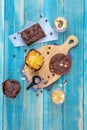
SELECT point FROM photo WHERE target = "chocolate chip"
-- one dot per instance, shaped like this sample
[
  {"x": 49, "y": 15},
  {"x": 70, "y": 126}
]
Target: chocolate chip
[
  {"x": 40, "y": 16},
  {"x": 37, "y": 94},
  {"x": 45, "y": 20},
  {"x": 48, "y": 53},
  {"x": 65, "y": 81},
  {"x": 41, "y": 91},
  {"x": 53, "y": 74},
  {"x": 51, "y": 33},
  {"x": 14, "y": 55},
  {"x": 25, "y": 50},
  {"x": 49, "y": 47},
  {"x": 48, "y": 76},
  {"x": 14, "y": 37}
]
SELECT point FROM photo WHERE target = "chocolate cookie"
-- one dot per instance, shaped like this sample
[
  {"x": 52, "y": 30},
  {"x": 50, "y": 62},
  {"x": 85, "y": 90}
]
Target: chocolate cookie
[
  {"x": 32, "y": 34},
  {"x": 60, "y": 64},
  {"x": 11, "y": 88}
]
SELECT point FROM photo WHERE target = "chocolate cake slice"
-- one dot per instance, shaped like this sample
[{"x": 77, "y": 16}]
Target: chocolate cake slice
[{"x": 32, "y": 34}]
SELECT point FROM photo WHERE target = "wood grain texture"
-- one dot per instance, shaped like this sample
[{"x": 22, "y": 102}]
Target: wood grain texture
[
  {"x": 72, "y": 110},
  {"x": 85, "y": 67},
  {"x": 19, "y": 111},
  {"x": 13, "y": 22},
  {"x": 33, "y": 104},
  {"x": 28, "y": 111},
  {"x": 73, "y": 107},
  {"x": 52, "y": 10},
  {"x": 1, "y": 59},
  {"x": 44, "y": 72}
]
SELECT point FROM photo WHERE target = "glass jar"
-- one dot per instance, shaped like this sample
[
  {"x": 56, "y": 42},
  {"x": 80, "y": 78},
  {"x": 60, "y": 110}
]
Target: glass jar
[{"x": 58, "y": 96}]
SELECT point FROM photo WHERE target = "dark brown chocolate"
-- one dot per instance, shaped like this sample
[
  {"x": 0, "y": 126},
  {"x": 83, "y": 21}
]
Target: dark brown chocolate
[
  {"x": 11, "y": 88},
  {"x": 60, "y": 64},
  {"x": 32, "y": 34}
]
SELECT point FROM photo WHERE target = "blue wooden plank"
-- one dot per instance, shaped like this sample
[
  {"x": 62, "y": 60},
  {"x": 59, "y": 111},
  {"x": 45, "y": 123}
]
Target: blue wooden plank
[
  {"x": 1, "y": 59},
  {"x": 33, "y": 105},
  {"x": 14, "y": 20},
  {"x": 73, "y": 107},
  {"x": 53, "y": 114},
  {"x": 28, "y": 111},
  {"x": 85, "y": 67}
]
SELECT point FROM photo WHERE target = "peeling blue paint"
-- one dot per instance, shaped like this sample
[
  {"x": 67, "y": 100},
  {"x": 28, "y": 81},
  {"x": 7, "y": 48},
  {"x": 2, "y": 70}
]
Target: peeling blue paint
[{"x": 28, "y": 111}]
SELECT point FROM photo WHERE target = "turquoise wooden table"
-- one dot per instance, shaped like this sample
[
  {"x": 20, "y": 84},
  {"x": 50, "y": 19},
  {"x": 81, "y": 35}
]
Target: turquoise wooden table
[{"x": 29, "y": 111}]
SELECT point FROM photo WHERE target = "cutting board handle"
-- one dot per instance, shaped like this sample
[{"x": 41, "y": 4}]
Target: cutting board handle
[{"x": 71, "y": 41}]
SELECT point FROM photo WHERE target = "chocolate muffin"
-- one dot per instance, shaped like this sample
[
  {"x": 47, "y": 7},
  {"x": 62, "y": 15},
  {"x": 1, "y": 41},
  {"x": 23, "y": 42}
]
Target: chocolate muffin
[
  {"x": 11, "y": 88},
  {"x": 60, "y": 64}
]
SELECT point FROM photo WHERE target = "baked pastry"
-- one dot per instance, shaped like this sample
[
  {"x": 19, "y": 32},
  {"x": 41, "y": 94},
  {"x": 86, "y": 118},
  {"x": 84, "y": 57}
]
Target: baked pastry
[
  {"x": 32, "y": 34},
  {"x": 11, "y": 88},
  {"x": 60, "y": 64},
  {"x": 34, "y": 60}
]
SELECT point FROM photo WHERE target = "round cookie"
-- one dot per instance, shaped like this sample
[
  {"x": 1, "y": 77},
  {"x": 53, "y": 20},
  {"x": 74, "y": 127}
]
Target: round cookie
[
  {"x": 60, "y": 64},
  {"x": 11, "y": 88}
]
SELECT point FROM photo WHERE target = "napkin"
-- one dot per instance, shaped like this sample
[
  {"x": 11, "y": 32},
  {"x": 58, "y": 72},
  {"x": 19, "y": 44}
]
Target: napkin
[{"x": 51, "y": 34}]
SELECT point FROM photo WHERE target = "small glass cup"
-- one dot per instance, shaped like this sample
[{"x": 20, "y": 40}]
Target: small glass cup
[
  {"x": 58, "y": 96},
  {"x": 60, "y": 24}
]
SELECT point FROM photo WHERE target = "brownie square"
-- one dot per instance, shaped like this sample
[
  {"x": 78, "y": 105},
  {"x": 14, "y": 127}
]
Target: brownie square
[{"x": 32, "y": 34}]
